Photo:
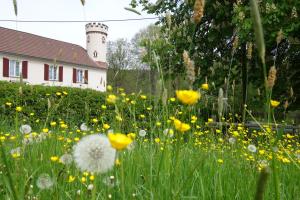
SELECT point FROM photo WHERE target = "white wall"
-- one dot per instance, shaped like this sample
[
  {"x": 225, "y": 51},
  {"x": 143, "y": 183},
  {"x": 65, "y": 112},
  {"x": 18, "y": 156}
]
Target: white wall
[{"x": 36, "y": 74}]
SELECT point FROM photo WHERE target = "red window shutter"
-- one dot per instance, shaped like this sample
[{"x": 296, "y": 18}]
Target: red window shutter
[
  {"x": 46, "y": 72},
  {"x": 86, "y": 76},
  {"x": 25, "y": 69},
  {"x": 60, "y": 74},
  {"x": 5, "y": 67},
  {"x": 74, "y": 75}
]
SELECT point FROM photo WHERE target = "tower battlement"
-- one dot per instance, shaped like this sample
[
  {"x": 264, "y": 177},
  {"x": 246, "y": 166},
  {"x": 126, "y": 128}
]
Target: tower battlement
[{"x": 96, "y": 27}]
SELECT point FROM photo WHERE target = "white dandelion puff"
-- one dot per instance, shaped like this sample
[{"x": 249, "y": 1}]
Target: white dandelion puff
[
  {"x": 232, "y": 140},
  {"x": 90, "y": 187},
  {"x": 25, "y": 129},
  {"x": 142, "y": 133},
  {"x": 252, "y": 148},
  {"x": 66, "y": 159},
  {"x": 94, "y": 153},
  {"x": 169, "y": 132},
  {"x": 298, "y": 156},
  {"x": 84, "y": 127},
  {"x": 44, "y": 181}
]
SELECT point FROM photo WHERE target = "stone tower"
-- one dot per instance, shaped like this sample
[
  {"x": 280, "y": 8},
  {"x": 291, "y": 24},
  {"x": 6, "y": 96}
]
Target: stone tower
[{"x": 96, "y": 35}]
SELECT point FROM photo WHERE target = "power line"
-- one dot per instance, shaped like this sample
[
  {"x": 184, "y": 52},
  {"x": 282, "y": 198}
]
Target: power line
[{"x": 77, "y": 21}]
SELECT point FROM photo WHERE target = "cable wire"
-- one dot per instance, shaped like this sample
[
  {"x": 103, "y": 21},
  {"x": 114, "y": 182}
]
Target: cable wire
[{"x": 77, "y": 21}]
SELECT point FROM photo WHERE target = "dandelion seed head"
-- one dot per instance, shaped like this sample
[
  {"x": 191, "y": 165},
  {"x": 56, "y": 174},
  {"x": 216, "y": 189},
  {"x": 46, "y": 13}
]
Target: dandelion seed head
[
  {"x": 252, "y": 148},
  {"x": 94, "y": 153},
  {"x": 66, "y": 159},
  {"x": 44, "y": 181},
  {"x": 232, "y": 140},
  {"x": 142, "y": 133},
  {"x": 84, "y": 127},
  {"x": 25, "y": 129}
]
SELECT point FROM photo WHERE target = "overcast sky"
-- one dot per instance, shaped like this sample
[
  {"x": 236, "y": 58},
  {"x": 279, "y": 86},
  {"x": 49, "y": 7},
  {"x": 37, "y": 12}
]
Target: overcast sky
[{"x": 71, "y": 10}]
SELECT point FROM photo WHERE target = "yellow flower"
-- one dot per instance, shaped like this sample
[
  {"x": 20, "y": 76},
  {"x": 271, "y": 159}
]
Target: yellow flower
[
  {"x": 111, "y": 99},
  {"x": 119, "y": 118},
  {"x": 92, "y": 177},
  {"x": 117, "y": 162},
  {"x": 45, "y": 130},
  {"x": 180, "y": 126},
  {"x": 220, "y": 161},
  {"x": 109, "y": 88},
  {"x": 65, "y": 93},
  {"x": 58, "y": 93},
  {"x": 16, "y": 155},
  {"x": 188, "y": 97},
  {"x": 143, "y": 97},
  {"x": 8, "y": 104},
  {"x": 64, "y": 126},
  {"x": 53, "y": 123},
  {"x": 54, "y": 158},
  {"x": 210, "y": 120},
  {"x": 19, "y": 108},
  {"x": 83, "y": 179},
  {"x": 157, "y": 140},
  {"x": 131, "y": 135},
  {"x": 172, "y": 99},
  {"x": 205, "y": 86},
  {"x": 94, "y": 120},
  {"x": 106, "y": 126},
  {"x": 71, "y": 179},
  {"x": 274, "y": 103},
  {"x": 119, "y": 141}
]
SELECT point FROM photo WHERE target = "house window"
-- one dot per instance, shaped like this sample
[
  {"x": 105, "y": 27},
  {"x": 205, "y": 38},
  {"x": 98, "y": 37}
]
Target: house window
[
  {"x": 14, "y": 68},
  {"x": 79, "y": 76},
  {"x": 95, "y": 54},
  {"x": 53, "y": 71}
]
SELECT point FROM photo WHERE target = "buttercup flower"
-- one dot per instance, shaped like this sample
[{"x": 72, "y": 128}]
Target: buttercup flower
[
  {"x": 274, "y": 103},
  {"x": 111, "y": 99},
  {"x": 205, "y": 86},
  {"x": 119, "y": 141},
  {"x": 180, "y": 126},
  {"x": 94, "y": 153},
  {"x": 188, "y": 97}
]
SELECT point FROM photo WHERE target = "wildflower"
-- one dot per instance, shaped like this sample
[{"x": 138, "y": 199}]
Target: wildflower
[
  {"x": 16, "y": 153},
  {"x": 66, "y": 159},
  {"x": 158, "y": 124},
  {"x": 274, "y": 103},
  {"x": 188, "y": 97},
  {"x": 52, "y": 123},
  {"x": 235, "y": 133},
  {"x": 117, "y": 162},
  {"x": 111, "y": 99},
  {"x": 58, "y": 93},
  {"x": 83, "y": 179},
  {"x": 8, "y": 104},
  {"x": 54, "y": 158},
  {"x": 220, "y": 161},
  {"x": 210, "y": 120},
  {"x": 109, "y": 88},
  {"x": 25, "y": 129},
  {"x": 119, "y": 141},
  {"x": 92, "y": 177},
  {"x": 180, "y": 126},
  {"x": 19, "y": 109},
  {"x": 157, "y": 140},
  {"x": 232, "y": 140},
  {"x": 71, "y": 179},
  {"x": 252, "y": 148},
  {"x": 169, "y": 132},
  {"x": 131, "y": 135},
  {"x": 94, "y": 120},
  {"x": 84, "y": 127},
  {"x": 45, "y": 130},
  {"x": 204, "y": 86},
  {"x": 119, "y": 118},
  {"x": 172, "y": 99},
  {"x": 94, "y": 153},
  {"x": 142, "y": 133},
  {"x": 44, "y": 181},
  {"x": 144, "y": 97},
  {"x": 90, "y": 187},
  {"x": 65, "y": 93},
  {"x": 106, "y": 126}
]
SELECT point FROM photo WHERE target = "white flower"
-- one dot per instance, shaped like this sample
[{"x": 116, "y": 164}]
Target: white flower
[
  {"x": 44, "y": 181},
  {"x": 298, "y": 156},
  {"x": 142, "y": 133},
  {"x": 78, "y": 192},
  {"x": 169, "y": 132},
  {"x": 110, "y": 181},
  {"x": 251, "y": 148},
  {"x": 66, "y": 159},
  {"x": 25, "y": 129},
  {"x": 84, "y": 127},
  {"x": 232, "y": 140},
  {"x": 16, "y": 151},
  {"x": 263, "y": 163},
  {"x": 90, "y": 187},
  {"x": 94, "y": 153}
]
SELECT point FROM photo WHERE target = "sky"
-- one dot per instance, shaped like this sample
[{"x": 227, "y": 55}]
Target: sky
[{"x": 72, "y": 10}]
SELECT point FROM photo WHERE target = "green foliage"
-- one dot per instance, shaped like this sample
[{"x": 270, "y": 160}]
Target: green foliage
[{"x": 41, "y": 99}]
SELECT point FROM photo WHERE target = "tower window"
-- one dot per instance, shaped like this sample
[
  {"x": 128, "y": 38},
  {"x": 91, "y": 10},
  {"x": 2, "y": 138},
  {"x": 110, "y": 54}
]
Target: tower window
[
  {"x": 95, "y": 54},
  {"x": 88, "y": 39},
  {"x": 103, "y": 39}
]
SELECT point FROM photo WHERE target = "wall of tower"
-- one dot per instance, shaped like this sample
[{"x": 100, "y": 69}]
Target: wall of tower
[{"x": 96, "y": 34}]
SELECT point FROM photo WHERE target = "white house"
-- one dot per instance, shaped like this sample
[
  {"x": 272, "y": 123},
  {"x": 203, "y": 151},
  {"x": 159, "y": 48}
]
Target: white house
[{"x": 45, "y": 61}]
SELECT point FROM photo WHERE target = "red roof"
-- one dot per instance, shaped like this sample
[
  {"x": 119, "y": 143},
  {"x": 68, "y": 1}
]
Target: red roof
[{"x": 26, "y": 44}]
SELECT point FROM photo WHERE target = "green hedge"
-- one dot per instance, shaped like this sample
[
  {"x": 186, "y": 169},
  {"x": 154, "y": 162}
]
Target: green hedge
[{"x": 73, "y": 104}]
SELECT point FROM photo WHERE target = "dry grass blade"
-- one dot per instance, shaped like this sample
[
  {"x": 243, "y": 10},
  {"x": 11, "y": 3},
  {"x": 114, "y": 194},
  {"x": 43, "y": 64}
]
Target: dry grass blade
[
  {"x": 15, "y": 7},
  {"x": 133, "y": 10},
  {"x": 259, "y": 36}
]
